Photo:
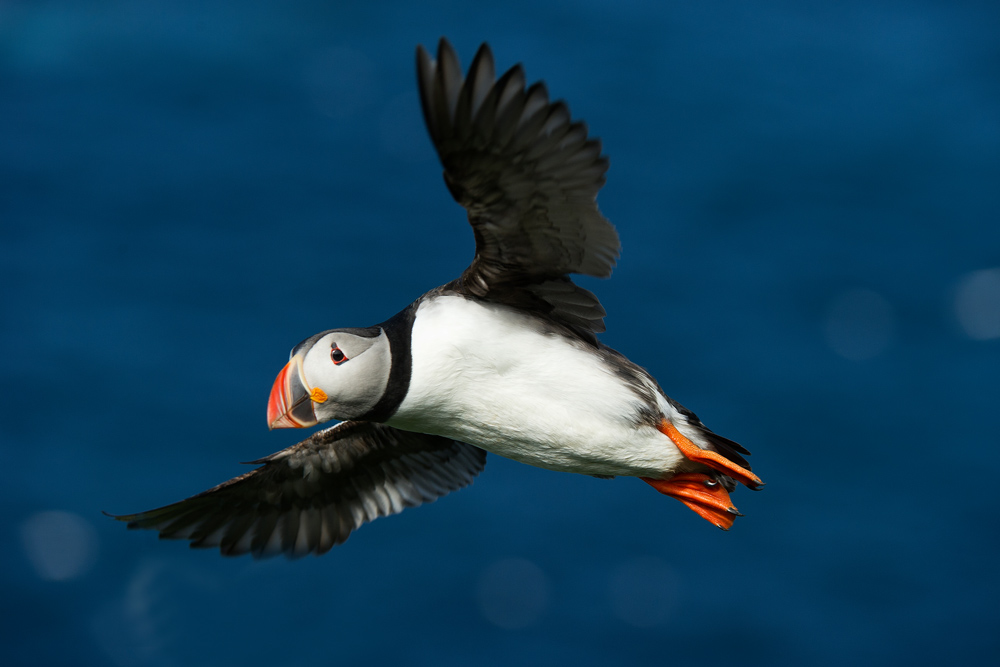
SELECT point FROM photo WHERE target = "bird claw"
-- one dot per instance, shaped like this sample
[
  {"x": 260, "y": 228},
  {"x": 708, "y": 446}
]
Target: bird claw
[{"x": 701, "y": 493}]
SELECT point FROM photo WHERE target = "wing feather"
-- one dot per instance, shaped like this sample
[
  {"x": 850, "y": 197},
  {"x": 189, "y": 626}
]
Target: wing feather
[
  {"x": 311, "y": 496},
  {"x": 528, "y": 177}
]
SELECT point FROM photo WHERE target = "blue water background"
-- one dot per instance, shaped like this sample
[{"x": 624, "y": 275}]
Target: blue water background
[{"x": 188, "y": 189}]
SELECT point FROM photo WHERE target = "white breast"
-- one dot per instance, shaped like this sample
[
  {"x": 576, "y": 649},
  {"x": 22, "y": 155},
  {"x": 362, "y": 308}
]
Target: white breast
[{"x": 490, "y": 376}]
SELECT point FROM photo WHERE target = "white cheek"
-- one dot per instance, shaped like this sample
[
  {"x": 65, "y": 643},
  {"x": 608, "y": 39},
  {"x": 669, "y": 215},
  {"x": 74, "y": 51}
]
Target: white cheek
[
  {"x": 319, "y": 371},
  {"x": 353, "y": 386},
  {"x": 359, "y": 385}
]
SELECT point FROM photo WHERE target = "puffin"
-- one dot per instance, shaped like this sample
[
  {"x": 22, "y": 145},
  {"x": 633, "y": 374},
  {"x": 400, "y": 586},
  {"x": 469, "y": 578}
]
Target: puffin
[{"x": 503, "y": 359}]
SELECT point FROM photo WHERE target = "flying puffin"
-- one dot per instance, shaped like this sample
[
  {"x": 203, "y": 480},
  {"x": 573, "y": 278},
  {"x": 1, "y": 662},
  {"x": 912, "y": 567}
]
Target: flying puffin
[{"x": 503, "y": 359}]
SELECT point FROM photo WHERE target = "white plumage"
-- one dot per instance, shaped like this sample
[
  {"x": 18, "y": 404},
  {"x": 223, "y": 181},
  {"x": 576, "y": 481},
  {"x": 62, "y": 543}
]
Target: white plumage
[{"x": 495, "y": 377}]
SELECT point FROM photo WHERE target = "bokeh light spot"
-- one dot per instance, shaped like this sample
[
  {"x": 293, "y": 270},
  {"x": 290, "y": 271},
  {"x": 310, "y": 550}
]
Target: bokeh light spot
[
  {"x": 513, "y": 593},
  {"x": 860, "y": 325},
  {"x": 59, "y": 545},
  {"x": 977, "y": 304}
]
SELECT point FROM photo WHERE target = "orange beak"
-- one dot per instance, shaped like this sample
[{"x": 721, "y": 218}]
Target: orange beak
[{"x": 289, "y": 405}]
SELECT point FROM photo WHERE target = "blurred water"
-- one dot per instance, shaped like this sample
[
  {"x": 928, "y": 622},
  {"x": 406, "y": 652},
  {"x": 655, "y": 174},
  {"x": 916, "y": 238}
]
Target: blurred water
[{"x": 807, "y": 198}]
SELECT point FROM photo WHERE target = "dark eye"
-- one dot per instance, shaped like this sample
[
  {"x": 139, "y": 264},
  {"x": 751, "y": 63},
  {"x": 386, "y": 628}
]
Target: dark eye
[{"x": 337, "y": 355}]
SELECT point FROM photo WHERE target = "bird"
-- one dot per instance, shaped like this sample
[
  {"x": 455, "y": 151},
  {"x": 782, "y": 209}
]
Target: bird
[{"x": 504, "y": 359}]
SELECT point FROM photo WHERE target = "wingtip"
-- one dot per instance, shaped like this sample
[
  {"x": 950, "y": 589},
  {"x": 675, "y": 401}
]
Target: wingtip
[
  {"x": 485, "y": 51},
  {"x": 446, "y": 51}
]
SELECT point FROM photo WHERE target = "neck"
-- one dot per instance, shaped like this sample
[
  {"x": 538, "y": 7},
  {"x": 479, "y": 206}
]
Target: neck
[{"x": 397, "y": 330}]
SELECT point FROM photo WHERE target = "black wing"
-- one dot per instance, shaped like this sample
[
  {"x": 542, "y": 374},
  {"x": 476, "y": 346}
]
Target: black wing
[
  {"x": 528, "y": 177},
  {"x": 309, "y": 497}
]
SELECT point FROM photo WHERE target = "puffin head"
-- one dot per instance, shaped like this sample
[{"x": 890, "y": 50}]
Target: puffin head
[{"x": 338, "y": 374}]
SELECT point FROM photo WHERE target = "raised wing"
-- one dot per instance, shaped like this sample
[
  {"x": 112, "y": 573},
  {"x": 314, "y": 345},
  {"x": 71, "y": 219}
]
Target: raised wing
[
  {"x": 309, "y": 497},
  {"x": 528, "y": 177}
]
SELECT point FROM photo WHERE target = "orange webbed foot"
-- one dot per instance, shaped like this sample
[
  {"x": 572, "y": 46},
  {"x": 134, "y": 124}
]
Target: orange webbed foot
[
  {"x": 701, "y": 493},
  {"x": 709, "y": 458}
]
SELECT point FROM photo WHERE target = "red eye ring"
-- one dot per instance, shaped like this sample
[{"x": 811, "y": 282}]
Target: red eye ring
[{"x": 337, "y": 356}]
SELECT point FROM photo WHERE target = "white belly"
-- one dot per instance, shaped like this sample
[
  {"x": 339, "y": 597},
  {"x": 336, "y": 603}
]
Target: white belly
[{"x": 487, "y": 375}]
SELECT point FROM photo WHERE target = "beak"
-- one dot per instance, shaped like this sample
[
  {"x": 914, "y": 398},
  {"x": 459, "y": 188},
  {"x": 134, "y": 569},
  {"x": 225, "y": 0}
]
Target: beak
[{"x": 291, "y": 404}]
